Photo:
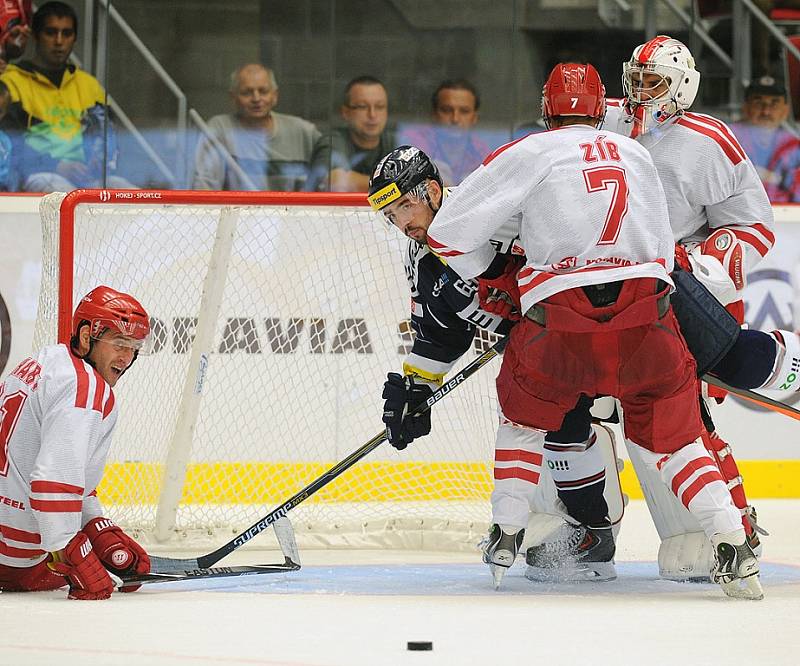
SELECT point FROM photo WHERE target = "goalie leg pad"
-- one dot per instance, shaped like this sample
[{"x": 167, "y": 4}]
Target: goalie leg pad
[
  {"x": 695, "y": 480},
  {"x": 708, "y": 328},
  {"x": 750, "y": 362},
  {"x": 548, "y": 513},
  {"x": 579, "y": 474}
]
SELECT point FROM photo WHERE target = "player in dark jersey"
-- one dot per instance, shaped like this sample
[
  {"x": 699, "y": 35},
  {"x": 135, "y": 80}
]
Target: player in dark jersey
[{"x": 446, "y": 313}]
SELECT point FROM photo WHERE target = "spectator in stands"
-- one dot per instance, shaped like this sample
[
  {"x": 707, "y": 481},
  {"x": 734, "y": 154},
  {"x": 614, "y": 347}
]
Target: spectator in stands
[
  {"x": 255, "y": 148},
  {"x": 15, "y": 19},
  {"x": 58, "y": 117},
  {"x": 451, "y": 142},
  {"x": 774, "y": 150},
  {"x": 348, "y": 154}
]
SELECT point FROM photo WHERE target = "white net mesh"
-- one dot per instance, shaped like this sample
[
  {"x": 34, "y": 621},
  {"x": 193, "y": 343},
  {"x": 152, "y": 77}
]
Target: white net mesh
[{"x": 312, "y": 316}]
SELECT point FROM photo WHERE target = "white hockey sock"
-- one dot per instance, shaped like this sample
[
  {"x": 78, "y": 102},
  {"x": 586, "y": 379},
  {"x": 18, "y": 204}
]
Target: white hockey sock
[
  {"x": 786, "y": 372},
  {"x": 517, "y": 468},
  {"x": 695, "y": 480}
]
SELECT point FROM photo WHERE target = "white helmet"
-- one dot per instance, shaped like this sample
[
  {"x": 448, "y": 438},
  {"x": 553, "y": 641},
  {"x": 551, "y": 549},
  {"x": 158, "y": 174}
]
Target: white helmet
[{"x": 674, "y": 64}]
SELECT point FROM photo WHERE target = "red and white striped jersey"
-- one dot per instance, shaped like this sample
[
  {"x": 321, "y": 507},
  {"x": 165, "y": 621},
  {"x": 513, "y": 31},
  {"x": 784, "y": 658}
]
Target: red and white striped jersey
[
  {"x": 709, "y": 181},
  {"x": 590, "y": 207},
  {"x": 57, "y": 418}
]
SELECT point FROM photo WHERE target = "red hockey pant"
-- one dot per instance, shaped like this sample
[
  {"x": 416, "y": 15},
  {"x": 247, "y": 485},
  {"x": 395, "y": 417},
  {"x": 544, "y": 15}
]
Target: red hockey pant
[
  {"x": 30, "y": 579},
  {"x": 631, "y": 349}
]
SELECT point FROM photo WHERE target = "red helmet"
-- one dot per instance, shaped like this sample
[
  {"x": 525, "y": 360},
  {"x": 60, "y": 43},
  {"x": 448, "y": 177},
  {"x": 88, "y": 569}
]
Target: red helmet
[
  {"x": 573, "y": 90},
  {"x": 104, "y": 307}
]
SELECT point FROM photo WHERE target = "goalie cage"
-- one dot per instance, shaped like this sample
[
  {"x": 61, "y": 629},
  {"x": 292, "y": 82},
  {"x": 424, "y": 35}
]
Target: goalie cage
[{"x": 276, "y": 317}]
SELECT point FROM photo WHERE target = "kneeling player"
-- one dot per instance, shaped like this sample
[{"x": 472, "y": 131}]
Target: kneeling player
[
  {"x": 446, "y": 312},
  {"x": 58, "y": 414}
]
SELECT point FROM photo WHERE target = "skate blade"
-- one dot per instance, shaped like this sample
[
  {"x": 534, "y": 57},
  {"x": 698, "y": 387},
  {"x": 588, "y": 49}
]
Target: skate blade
[
  {"x": 498, "y": 573},
  {"x": 744, "y": 588},
  {"x": 579, "y": 573}
]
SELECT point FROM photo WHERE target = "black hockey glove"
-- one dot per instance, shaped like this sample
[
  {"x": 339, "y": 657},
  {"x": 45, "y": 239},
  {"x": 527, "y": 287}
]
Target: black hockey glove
[{"x": 402, "y": 394}]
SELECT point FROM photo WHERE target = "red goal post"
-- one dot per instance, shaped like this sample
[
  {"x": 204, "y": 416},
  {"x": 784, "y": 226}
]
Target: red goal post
[{"x": 276, "y": 317}]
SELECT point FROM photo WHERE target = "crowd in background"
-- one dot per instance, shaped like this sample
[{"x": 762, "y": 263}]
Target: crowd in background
[{"x": 56, "y": 133}]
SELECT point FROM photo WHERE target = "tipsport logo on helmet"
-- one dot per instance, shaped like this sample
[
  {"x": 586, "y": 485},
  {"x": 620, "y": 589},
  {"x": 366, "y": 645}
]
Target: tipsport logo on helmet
[{"x": 384, "y": 196}]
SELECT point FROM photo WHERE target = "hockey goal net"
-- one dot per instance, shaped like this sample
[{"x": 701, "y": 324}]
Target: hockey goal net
[{"x": 276, "y": 317}]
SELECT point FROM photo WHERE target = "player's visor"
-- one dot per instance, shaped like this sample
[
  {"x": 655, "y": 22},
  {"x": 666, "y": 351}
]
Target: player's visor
[{"x": 121, "y": 334}]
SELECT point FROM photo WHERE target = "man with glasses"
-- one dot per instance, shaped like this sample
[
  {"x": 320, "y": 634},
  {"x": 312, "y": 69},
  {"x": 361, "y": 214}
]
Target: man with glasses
[
  {"x": 347, "y": 154},
  {"x": 57, "y": 416}
]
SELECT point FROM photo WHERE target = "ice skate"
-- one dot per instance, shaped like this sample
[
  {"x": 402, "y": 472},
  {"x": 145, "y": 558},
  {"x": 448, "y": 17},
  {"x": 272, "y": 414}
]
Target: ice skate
[
  {"x": 500, "y": 548},
  {"x": 736, "y": 566},
  {"x": 573, "y": 553}
]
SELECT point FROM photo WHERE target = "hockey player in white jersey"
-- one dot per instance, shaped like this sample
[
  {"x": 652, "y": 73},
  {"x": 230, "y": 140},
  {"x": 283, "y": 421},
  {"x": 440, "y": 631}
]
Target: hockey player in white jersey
[
  {"x": 446, "y": 312},
  {"x": 595, "y": 296},
  {"x": 722, "y": 224},
  {"x": 58, "y": 413}
]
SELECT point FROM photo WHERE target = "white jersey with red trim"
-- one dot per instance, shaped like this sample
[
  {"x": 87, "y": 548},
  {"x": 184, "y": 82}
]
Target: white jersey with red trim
[
  {"x": 57, "y": 418},
  {"x": 709, "y": 181},
  {"x": 590, "y": 206}
]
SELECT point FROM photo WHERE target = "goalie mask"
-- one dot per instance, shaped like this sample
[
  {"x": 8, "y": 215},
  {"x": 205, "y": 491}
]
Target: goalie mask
[
  {"x": 660, "y": 81},
  {"x": 104, "y": 308},
  {"x": 573, "y": 90},
  {"x": 405, "y": 170}
]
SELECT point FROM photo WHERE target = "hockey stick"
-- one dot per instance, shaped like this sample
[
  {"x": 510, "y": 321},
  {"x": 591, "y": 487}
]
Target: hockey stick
[
  {"x": 169, "y": 565},
  {"x": 203, "y": 574},
  {"x": 757, "y": 398}
]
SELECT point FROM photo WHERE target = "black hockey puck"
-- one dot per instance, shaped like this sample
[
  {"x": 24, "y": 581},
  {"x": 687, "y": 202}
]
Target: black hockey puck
[{"x": 419, "y": 645}]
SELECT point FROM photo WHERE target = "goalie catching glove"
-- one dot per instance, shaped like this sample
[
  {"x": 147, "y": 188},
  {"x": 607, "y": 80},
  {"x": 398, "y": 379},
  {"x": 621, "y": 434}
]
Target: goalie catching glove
[
  {"x": 500, "y": 295},
  {"x": 116, "y": 550},
  {"x": 403, "y": 394}
]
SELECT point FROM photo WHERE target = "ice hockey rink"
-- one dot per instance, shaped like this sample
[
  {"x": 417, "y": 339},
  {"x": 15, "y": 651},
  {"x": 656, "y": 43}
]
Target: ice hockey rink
[{"x": 346, "y": 608}]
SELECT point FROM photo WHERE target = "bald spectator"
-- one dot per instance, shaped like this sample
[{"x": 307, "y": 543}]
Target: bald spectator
[
  {"x": 348, "y": 154},
  {"x": 774, "y": 150},
  {"x": 274, "y": 150},
  {"x": 451, "y": 141}
]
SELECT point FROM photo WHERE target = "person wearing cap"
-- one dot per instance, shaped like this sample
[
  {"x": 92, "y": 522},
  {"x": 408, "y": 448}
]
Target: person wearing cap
[{"x": 773, "y": 149}]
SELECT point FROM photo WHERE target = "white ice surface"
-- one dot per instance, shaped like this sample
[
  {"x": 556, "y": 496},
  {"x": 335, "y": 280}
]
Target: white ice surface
[{"x": 347, "y": 608}]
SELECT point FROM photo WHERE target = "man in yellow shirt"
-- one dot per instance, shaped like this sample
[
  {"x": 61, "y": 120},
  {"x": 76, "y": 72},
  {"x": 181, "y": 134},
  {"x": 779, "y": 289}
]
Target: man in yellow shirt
[{"x": 58, "y": 112}]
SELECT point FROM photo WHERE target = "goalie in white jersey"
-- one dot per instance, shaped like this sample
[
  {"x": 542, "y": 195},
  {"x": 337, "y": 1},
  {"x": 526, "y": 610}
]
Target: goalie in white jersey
[
  {"x": 595, "y": 293},
  {"x": 58, "y": 414},
  {"x": 722, "y": 224}
]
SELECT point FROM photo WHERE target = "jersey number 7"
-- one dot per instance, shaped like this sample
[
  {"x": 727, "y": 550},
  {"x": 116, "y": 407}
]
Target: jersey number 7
[{"x": 600, "y": 179}]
